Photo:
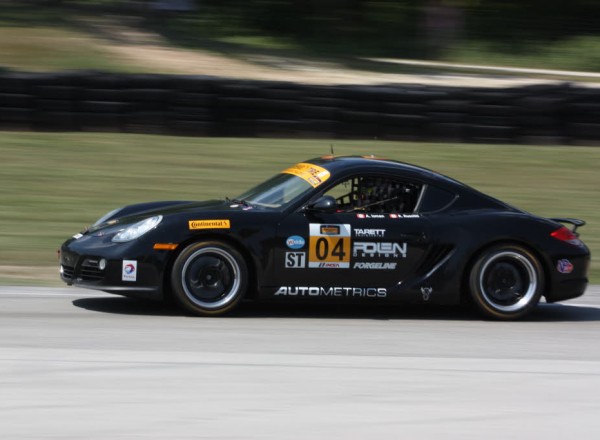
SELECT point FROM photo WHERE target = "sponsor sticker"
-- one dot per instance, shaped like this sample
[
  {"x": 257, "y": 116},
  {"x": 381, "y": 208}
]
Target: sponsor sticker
[
  {"x": 313, "y": 174},
  {"x": 379, "y": 249},
  {"x": 329, "y": 246},
  {"x": 369, "y": 233},
  {"x": 330, "y": 230},
  {"x": 564, "y": 266},
  {"x": 295, "y": 242},
  {"x": 339, "y": 292},
  {"x": 295, "y": 260},
  {"x": 209, "y": 224},
  {"x": 129, "y": 270},
  {"x": 375, "y": 266}
]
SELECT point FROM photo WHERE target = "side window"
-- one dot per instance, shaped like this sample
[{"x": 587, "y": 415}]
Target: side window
[
  {"x": 436, "y": 199},
  {"x": 375, "y": 195}
]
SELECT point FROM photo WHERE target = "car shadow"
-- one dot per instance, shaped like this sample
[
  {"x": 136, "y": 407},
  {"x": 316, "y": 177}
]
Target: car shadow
[{"x": 542, "y": 313}]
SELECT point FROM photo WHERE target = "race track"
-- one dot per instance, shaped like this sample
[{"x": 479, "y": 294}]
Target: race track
[{"x": 77, "y": 364}]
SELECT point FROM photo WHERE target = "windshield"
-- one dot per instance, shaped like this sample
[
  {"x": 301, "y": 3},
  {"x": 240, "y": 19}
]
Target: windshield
[{"x": 276, "y": 192}]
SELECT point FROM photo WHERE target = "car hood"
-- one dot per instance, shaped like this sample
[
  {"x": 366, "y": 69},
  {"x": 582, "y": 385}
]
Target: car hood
[{"x": 132, "y": 213}]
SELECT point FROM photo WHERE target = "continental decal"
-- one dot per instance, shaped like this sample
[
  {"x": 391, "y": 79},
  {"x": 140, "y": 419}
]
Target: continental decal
[
  {"x": 313, "y": 174},
  {"x": 209, "y": 224}
]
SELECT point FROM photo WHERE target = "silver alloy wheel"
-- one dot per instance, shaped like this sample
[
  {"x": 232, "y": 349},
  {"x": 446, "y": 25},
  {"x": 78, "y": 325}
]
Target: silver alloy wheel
[
  {"x": 508, "y": 281},
  {"x": 210, "y": 278}
]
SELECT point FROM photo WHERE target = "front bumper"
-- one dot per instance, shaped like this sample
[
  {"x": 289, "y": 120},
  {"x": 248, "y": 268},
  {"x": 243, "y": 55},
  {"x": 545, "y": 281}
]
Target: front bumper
[{"x": 104, "y": 269}]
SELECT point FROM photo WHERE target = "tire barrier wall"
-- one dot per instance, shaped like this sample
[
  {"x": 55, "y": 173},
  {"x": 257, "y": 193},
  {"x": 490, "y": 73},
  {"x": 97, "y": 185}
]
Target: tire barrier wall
[{"x": 207, "y": 106}]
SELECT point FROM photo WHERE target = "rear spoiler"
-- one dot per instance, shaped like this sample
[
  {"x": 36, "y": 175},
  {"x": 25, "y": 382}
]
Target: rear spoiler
[{"x": 571, "y": 221}]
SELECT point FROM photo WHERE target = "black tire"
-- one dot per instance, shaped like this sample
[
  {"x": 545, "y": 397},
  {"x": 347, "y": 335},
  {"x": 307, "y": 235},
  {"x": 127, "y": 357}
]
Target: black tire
[
  {"x": 506, "y": 282},
  {"x": 209, "y": 278}
]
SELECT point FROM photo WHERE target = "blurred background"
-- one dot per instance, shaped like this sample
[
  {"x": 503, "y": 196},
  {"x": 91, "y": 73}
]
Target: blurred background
[
  {"x": 111, "y": 102},
  {"x": 534, "y": 33}
]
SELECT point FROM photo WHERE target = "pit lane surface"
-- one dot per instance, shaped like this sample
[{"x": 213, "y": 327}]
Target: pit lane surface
[{"x": 77, "y": 364}]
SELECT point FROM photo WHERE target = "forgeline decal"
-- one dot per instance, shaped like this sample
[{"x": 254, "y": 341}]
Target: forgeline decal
[
  {"x": 313, "y": 174},
  {"x": 295, "y": 260},
  {"x": 329, "y": 246},
  {"x": 369, "y": 233},
  {"x": 375, "y": 266},
  {"x": 379, "y": 249},
  {"x": 209, "y": 224},
  {"x": 339, "y": 292}
]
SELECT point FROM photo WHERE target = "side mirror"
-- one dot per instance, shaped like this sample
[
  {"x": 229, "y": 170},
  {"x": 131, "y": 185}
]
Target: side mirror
[{"x": 323, "y": 204}]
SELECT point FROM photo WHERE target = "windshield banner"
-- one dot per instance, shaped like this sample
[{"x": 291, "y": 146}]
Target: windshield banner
[{"x": 313, "y": 174}]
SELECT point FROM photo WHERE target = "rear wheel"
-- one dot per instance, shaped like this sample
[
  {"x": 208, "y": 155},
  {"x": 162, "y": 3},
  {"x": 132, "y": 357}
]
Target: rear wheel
[
  {"x": 209, "y": 278},
  {"x": 506, "y": 282}
]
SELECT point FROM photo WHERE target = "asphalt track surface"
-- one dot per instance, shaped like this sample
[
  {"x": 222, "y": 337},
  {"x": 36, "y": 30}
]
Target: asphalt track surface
[{"x": 76, "y": 364}]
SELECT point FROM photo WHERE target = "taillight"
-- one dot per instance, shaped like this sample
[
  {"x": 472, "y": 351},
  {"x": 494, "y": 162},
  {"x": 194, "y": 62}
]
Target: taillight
[{"x": 565, "y": 234}]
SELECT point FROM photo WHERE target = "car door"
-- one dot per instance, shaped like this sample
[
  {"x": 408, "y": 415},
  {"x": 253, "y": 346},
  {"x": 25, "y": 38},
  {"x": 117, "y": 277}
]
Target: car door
[{"x": 364, "y": 243}]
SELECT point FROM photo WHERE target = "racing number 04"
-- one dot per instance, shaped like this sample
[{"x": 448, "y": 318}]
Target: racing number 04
[
  {"x": 329, "y": 246},
  {"x": 323, "y": 248}
]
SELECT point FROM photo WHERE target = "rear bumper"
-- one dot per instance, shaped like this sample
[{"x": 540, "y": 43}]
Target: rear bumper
[
  {"x": 564, "y": 286},
  {"x": 567, "y": 289}
]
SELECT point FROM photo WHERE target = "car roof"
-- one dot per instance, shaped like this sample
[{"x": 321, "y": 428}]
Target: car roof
[
  {"x": 337, "y": 165},
  {"x": 342, "y": 166}
]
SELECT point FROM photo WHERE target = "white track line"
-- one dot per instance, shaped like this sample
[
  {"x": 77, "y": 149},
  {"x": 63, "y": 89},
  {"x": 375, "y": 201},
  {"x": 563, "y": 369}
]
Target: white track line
[{"x": 58, "y": 295}]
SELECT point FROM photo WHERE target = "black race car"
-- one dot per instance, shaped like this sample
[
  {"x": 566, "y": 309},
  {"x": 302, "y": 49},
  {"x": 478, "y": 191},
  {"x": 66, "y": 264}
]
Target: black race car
[{"x": 335, "y": 229}]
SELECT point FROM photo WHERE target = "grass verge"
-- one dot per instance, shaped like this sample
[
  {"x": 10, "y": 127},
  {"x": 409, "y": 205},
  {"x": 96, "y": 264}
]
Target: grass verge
[{"x": 52, "y": 185}]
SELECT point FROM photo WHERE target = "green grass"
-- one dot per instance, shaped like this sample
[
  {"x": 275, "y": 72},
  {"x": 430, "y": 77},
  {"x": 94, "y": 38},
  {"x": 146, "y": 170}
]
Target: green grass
[
  {"x": 576, "y": 53},
  {"x": 53, "y": 185},
  {"x": 51, "y": 49}
]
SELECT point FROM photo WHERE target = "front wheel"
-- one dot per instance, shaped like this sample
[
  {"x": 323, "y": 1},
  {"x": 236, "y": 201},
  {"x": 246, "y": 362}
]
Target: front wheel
[
  {"x": 506, "y": 282},
  {"x": 209, "y": 278}
]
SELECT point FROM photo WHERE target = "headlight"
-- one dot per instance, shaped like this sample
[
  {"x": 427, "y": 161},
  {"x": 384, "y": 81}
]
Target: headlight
[{"x": 137, "y": 229}]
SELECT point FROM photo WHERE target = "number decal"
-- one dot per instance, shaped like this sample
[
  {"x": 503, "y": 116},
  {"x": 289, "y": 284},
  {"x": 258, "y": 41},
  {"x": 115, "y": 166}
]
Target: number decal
[
  {"x": 338, "y": 250},
  {"x": 329, "y": 246},
  {"x": 322, "y": 248}
]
